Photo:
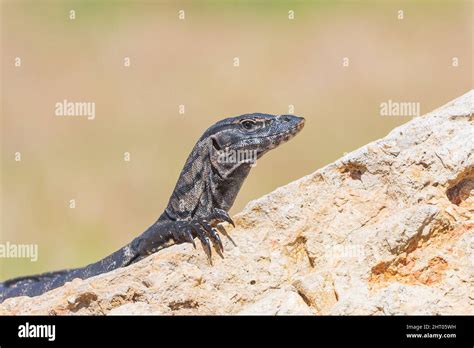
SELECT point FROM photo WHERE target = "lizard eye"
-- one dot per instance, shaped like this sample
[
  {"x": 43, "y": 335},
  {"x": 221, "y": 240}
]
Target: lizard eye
[{"x": 248, "y": 124}]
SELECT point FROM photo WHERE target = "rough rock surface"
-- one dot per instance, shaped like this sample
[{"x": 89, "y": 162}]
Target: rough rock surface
[{"x": 387, "y": 229}]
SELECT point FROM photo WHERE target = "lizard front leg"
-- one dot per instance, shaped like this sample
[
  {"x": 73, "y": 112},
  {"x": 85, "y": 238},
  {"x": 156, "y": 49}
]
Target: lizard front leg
[{"x": 163, "y": 234}]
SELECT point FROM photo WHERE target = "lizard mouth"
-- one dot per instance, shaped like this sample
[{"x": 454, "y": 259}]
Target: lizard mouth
[
  {"x": 286, "y": 135},
  {"x": 279, "y": 138}
]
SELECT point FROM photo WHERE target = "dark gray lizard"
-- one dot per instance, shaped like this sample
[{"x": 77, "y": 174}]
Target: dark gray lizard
[{"x": 205, "y": 191}]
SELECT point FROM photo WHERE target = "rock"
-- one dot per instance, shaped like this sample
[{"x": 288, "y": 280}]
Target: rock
[
  {"x": 386, "y": 229},
  {"x": 278, "y": 302}
]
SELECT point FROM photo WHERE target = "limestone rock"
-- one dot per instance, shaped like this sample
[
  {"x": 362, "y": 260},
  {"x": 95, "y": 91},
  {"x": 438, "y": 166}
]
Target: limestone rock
[{"x": 386, "y": 229}]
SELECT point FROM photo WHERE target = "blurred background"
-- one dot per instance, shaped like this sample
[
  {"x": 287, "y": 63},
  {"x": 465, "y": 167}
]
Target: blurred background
[{"x": 283, "y": 62}]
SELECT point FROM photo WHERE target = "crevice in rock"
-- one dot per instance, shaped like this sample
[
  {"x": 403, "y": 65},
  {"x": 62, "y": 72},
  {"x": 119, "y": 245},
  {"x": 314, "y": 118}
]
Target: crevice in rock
[
  {"x": 298, "y": 246},
  {"x": 82, "y": 300},
  {"x": 188, "y": 304},
  {"x": 461, "y": 189},
  {"x": 354, "y": 170},
  {"x": 305, "y": 298}
]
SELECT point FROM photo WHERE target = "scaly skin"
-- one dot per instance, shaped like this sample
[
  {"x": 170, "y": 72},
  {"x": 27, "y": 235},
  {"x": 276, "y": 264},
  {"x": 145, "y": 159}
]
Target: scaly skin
[{"x": 204, "y": 193}]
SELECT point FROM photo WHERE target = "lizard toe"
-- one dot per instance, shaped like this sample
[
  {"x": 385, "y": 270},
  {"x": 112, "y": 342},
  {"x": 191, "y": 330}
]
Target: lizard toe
[
  {"x": 201, "y": 234},
  {"x": 212, "y": 234},
  {"x": 182, "y": 232}
]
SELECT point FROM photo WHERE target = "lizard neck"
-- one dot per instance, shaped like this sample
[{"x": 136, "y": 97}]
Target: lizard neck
[{"x": 204, "y": 185}]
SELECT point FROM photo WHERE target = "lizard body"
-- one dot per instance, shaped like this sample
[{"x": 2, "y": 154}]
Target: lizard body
[{"x": 205, "y": 191}]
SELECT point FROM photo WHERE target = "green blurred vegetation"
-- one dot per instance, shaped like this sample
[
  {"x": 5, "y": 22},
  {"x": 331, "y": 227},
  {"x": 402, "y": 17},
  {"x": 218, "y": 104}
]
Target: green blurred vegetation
[{"x": 189, "y": 62}]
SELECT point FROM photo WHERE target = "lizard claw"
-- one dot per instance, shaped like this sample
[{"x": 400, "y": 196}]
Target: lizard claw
[
  {"x": 216, "y": 240},
  {"x": 189, "y": 236},
  {"x": 206, "y": 230},
  {"x": 221, "y": 215},
  {"x": 201, "y": 234}
]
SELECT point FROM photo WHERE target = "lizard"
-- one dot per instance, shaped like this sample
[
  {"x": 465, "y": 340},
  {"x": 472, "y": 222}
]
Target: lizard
[{"x": 204, "y": 193}]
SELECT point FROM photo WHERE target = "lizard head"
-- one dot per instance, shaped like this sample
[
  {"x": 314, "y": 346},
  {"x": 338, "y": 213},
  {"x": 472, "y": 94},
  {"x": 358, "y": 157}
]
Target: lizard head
[
  {"x": 222, "y": 159},
  {"x": 250, "y": 136}
]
